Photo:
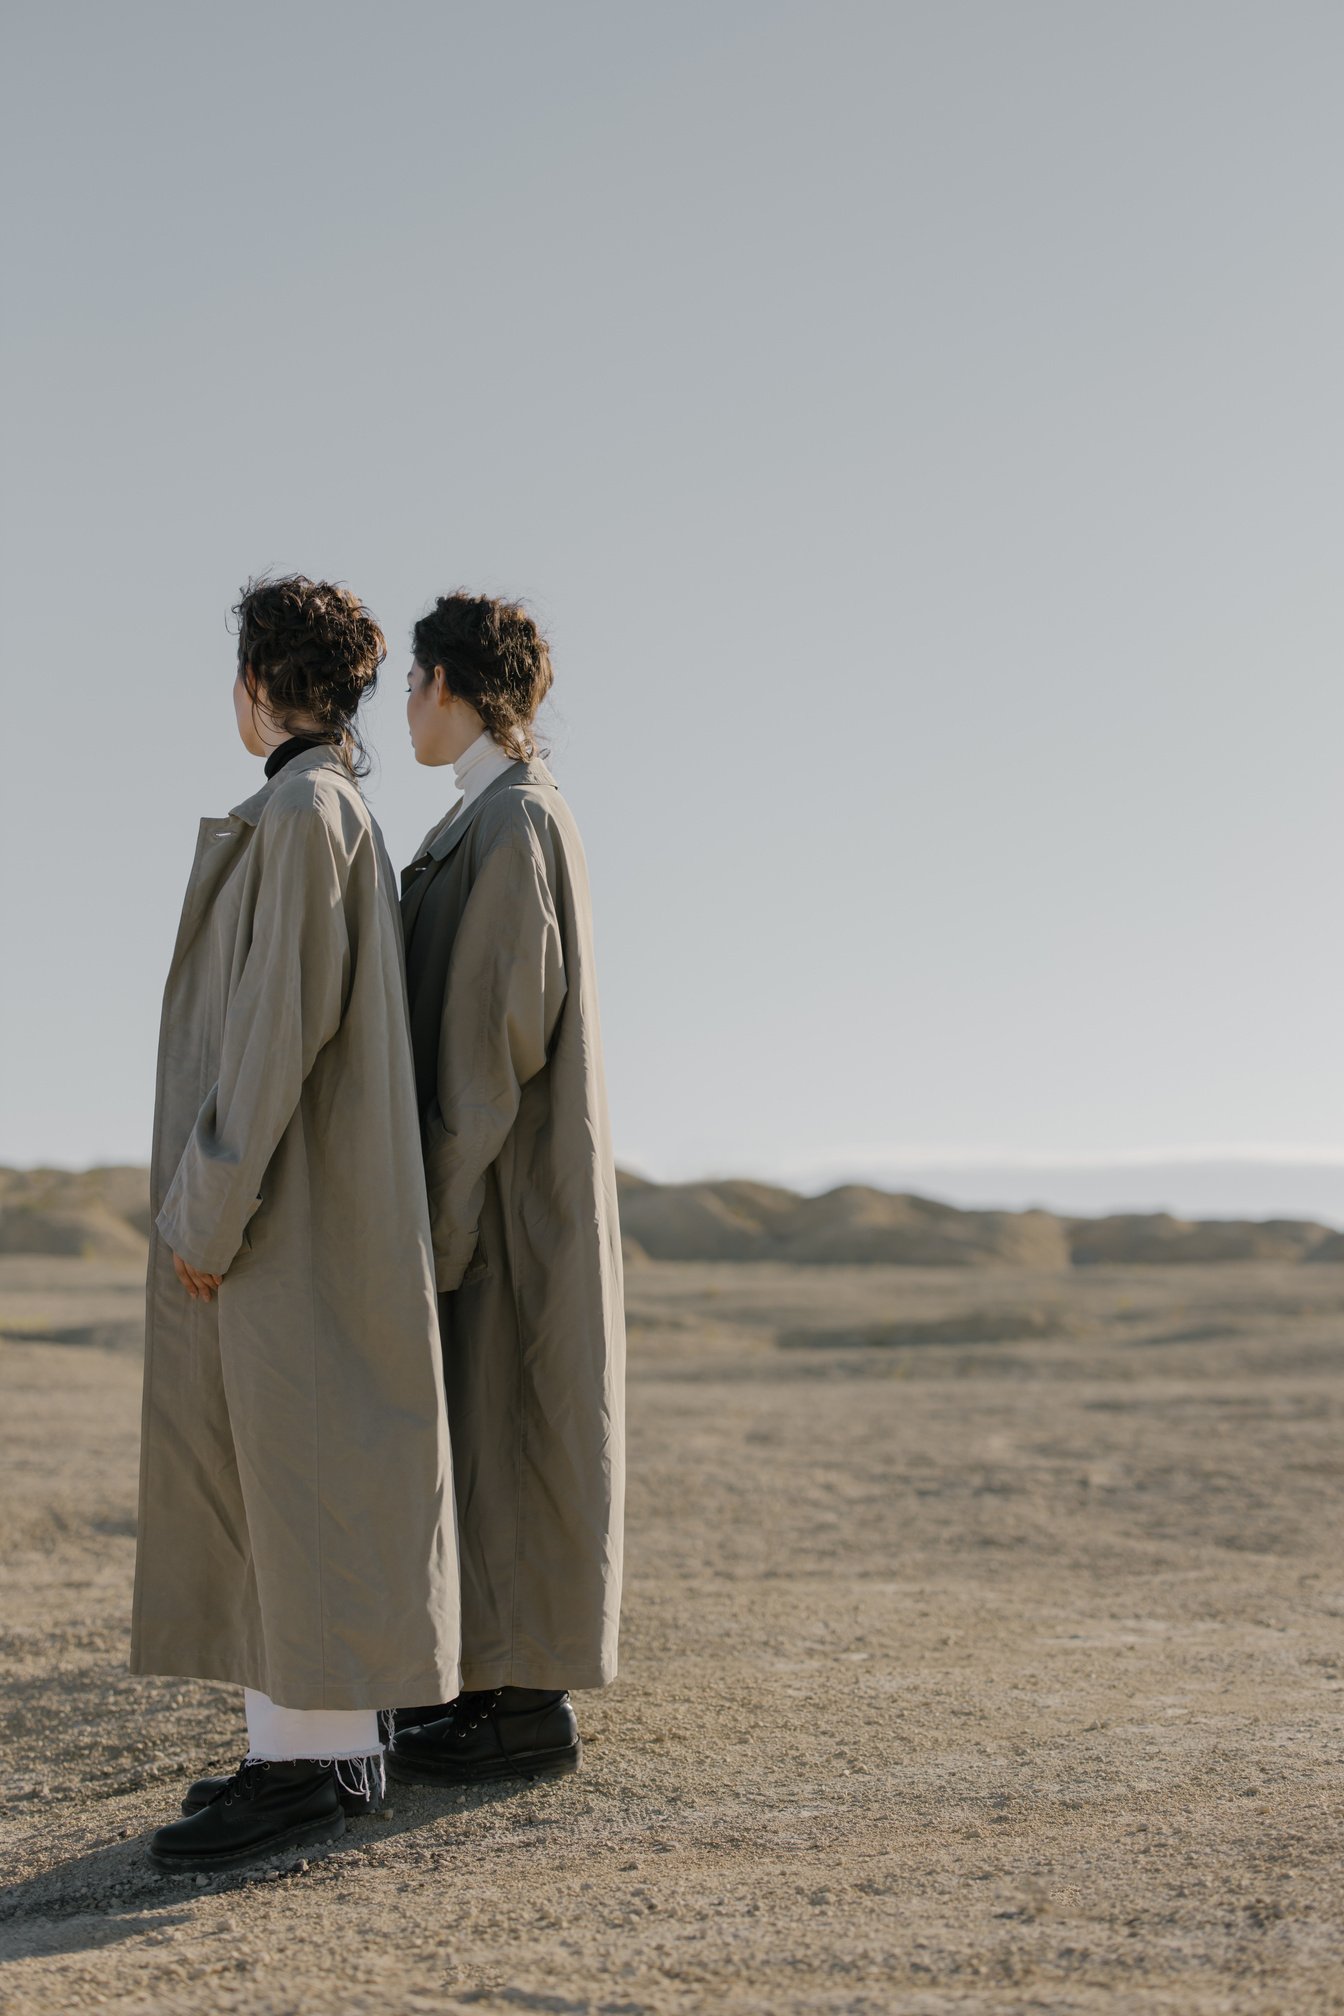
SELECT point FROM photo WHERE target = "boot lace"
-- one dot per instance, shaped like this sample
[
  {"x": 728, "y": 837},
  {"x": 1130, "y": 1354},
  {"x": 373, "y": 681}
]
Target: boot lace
[
  {"x": 470, "y": 1710},
  {"x": 244, "y": 1783}
]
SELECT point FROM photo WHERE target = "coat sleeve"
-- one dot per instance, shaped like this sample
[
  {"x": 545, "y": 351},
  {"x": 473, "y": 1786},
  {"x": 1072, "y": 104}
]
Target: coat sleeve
[
  {"x": 506, "y": 986},
  {"x": 286, "y": 998}
]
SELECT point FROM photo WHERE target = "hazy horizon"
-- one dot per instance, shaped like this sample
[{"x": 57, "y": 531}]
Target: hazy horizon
[{"x": 1254, "y": 1187}]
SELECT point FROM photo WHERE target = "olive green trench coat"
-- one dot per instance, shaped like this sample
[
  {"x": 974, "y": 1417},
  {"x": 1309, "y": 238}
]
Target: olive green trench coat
[
  {"x": 296, "y": 1503},
  {"x": 527, "y": 1250}
]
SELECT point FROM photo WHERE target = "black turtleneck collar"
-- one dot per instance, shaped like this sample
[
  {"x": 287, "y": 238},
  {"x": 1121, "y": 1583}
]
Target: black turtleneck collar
[{"x": 289, "y": 750}]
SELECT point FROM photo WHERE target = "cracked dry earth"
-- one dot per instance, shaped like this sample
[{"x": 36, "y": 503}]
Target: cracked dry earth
[{"x": 983, "y": 1652}]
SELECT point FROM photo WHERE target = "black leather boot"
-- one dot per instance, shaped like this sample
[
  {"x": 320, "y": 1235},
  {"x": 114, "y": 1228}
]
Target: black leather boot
[
  {"x": 354, "y": 1805},
  {"x": 262, "y": 1808},
  {"x": 412, "y": 1718},
  {"x": 483, "y": 1738}
]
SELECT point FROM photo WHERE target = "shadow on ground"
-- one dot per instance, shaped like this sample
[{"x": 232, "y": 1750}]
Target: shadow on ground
[{"x": 64, "y": 1909}]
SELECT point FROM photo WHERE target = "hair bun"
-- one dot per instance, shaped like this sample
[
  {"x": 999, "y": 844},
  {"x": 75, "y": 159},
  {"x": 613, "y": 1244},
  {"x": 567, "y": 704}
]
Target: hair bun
[
  {"x": 315, "y": 649},
  {"x": 494, "y": 657}
]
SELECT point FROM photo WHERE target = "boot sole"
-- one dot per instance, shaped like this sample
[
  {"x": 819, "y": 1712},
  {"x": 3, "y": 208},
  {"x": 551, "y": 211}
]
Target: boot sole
[
  {"x": 529, "y": 1764},
  {"x": 329, "y": 1829}
]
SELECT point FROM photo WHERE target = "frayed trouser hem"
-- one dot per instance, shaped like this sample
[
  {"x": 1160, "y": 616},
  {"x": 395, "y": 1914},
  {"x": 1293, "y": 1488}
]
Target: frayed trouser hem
[{"x": 363, "y": 1774}]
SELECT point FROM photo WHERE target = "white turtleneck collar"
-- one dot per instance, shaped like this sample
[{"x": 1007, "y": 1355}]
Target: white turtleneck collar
[{"x": 478, "y": 766}]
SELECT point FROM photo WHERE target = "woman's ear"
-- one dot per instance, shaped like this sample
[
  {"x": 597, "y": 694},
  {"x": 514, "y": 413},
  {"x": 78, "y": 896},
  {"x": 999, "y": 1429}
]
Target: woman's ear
[{"x": 441, "y": 694}]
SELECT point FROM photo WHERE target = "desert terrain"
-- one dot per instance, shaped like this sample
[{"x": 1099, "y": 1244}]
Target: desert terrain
[{"x": 983, "y": 1651}]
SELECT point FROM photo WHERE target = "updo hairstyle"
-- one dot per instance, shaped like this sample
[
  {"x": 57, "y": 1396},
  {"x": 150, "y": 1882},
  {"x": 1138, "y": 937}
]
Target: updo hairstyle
[
  {"x": 494, "y": 657},
  {"x": 315, "y": 650}
]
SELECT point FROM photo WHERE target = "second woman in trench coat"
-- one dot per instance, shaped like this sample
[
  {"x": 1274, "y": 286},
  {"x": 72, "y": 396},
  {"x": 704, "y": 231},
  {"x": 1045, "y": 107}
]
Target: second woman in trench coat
[{"x": 522, "y": 1194}]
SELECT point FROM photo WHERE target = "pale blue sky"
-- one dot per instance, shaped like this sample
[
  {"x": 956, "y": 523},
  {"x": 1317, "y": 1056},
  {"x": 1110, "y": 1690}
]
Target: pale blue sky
[{"x": 920, "y": 429}]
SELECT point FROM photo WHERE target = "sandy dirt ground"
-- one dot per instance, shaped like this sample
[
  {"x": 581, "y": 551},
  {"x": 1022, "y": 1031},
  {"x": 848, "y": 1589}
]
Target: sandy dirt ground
[{"x": 983, "y": 1652}]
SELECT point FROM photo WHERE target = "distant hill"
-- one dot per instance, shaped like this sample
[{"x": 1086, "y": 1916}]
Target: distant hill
[
  {"x": 90, "y": 1214},
  {"x": 104, "y": 1214},
  {"x": 855, "y": 1224}
]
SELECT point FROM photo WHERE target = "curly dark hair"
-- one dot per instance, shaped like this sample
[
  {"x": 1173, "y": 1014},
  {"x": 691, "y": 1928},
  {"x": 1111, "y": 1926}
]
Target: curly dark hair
[
  {"x": 493, "y": 656},
  {"x": 316, "y": 650}
]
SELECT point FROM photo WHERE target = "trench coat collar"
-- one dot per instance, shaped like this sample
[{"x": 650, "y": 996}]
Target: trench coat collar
[
  {"x": 326, "y": 755},
  {"x": 530, "y": 770}
]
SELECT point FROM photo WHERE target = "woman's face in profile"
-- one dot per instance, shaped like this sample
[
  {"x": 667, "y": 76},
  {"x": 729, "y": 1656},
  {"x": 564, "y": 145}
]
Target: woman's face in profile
[
  {"x": 245, "y": 714},
  {"x": 441, "y": 725},
  {"x": 419, "y": 706}
]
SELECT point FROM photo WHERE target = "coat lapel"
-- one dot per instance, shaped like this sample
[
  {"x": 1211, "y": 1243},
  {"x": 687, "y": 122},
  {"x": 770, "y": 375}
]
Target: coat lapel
[
  {"x": 216, "y": 850},
  {"x": 415, "y": 880},
  {"x": 219, "y": 841},
  {"x": 444, "y": 837},
  {"x": 447, "y": 837}
]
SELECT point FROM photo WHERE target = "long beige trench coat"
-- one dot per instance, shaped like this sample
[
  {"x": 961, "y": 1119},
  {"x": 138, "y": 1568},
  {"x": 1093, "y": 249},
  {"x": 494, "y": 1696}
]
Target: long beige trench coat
[
  {"x": 296, "y": 1501},
  {"x": 527, "y": 1251}
]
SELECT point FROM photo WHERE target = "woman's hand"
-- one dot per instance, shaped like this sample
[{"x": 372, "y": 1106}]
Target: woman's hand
[{"x": 197, "y": 1285}]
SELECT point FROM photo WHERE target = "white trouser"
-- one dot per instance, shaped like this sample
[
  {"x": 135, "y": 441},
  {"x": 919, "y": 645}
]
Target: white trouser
[{"x": 279, "y": 1735}]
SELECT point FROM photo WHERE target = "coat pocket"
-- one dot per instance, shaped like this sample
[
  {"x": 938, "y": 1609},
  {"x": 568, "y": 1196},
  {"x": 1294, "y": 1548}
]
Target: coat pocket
[{"x": 246, "y": 1246}]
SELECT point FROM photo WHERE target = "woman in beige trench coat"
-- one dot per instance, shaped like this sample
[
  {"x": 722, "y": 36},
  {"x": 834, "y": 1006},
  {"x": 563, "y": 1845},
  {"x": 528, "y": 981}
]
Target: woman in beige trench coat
[
  {"x": 296, "y": 1512},
  {"x": 522, "y": 1193}
]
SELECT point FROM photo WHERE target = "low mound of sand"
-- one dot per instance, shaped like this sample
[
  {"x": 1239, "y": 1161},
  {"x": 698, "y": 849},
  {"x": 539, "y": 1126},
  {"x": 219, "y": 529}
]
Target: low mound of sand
[
  {"x": 855, "y": 1225},
  {"x": 104, "y": 1213},
  {"x": 852, "y": 1225},
  {"x": 703, "y": 1221},
  {"x": 88, "y": 1214},
  {"x": 1158, "y": 1237}
]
